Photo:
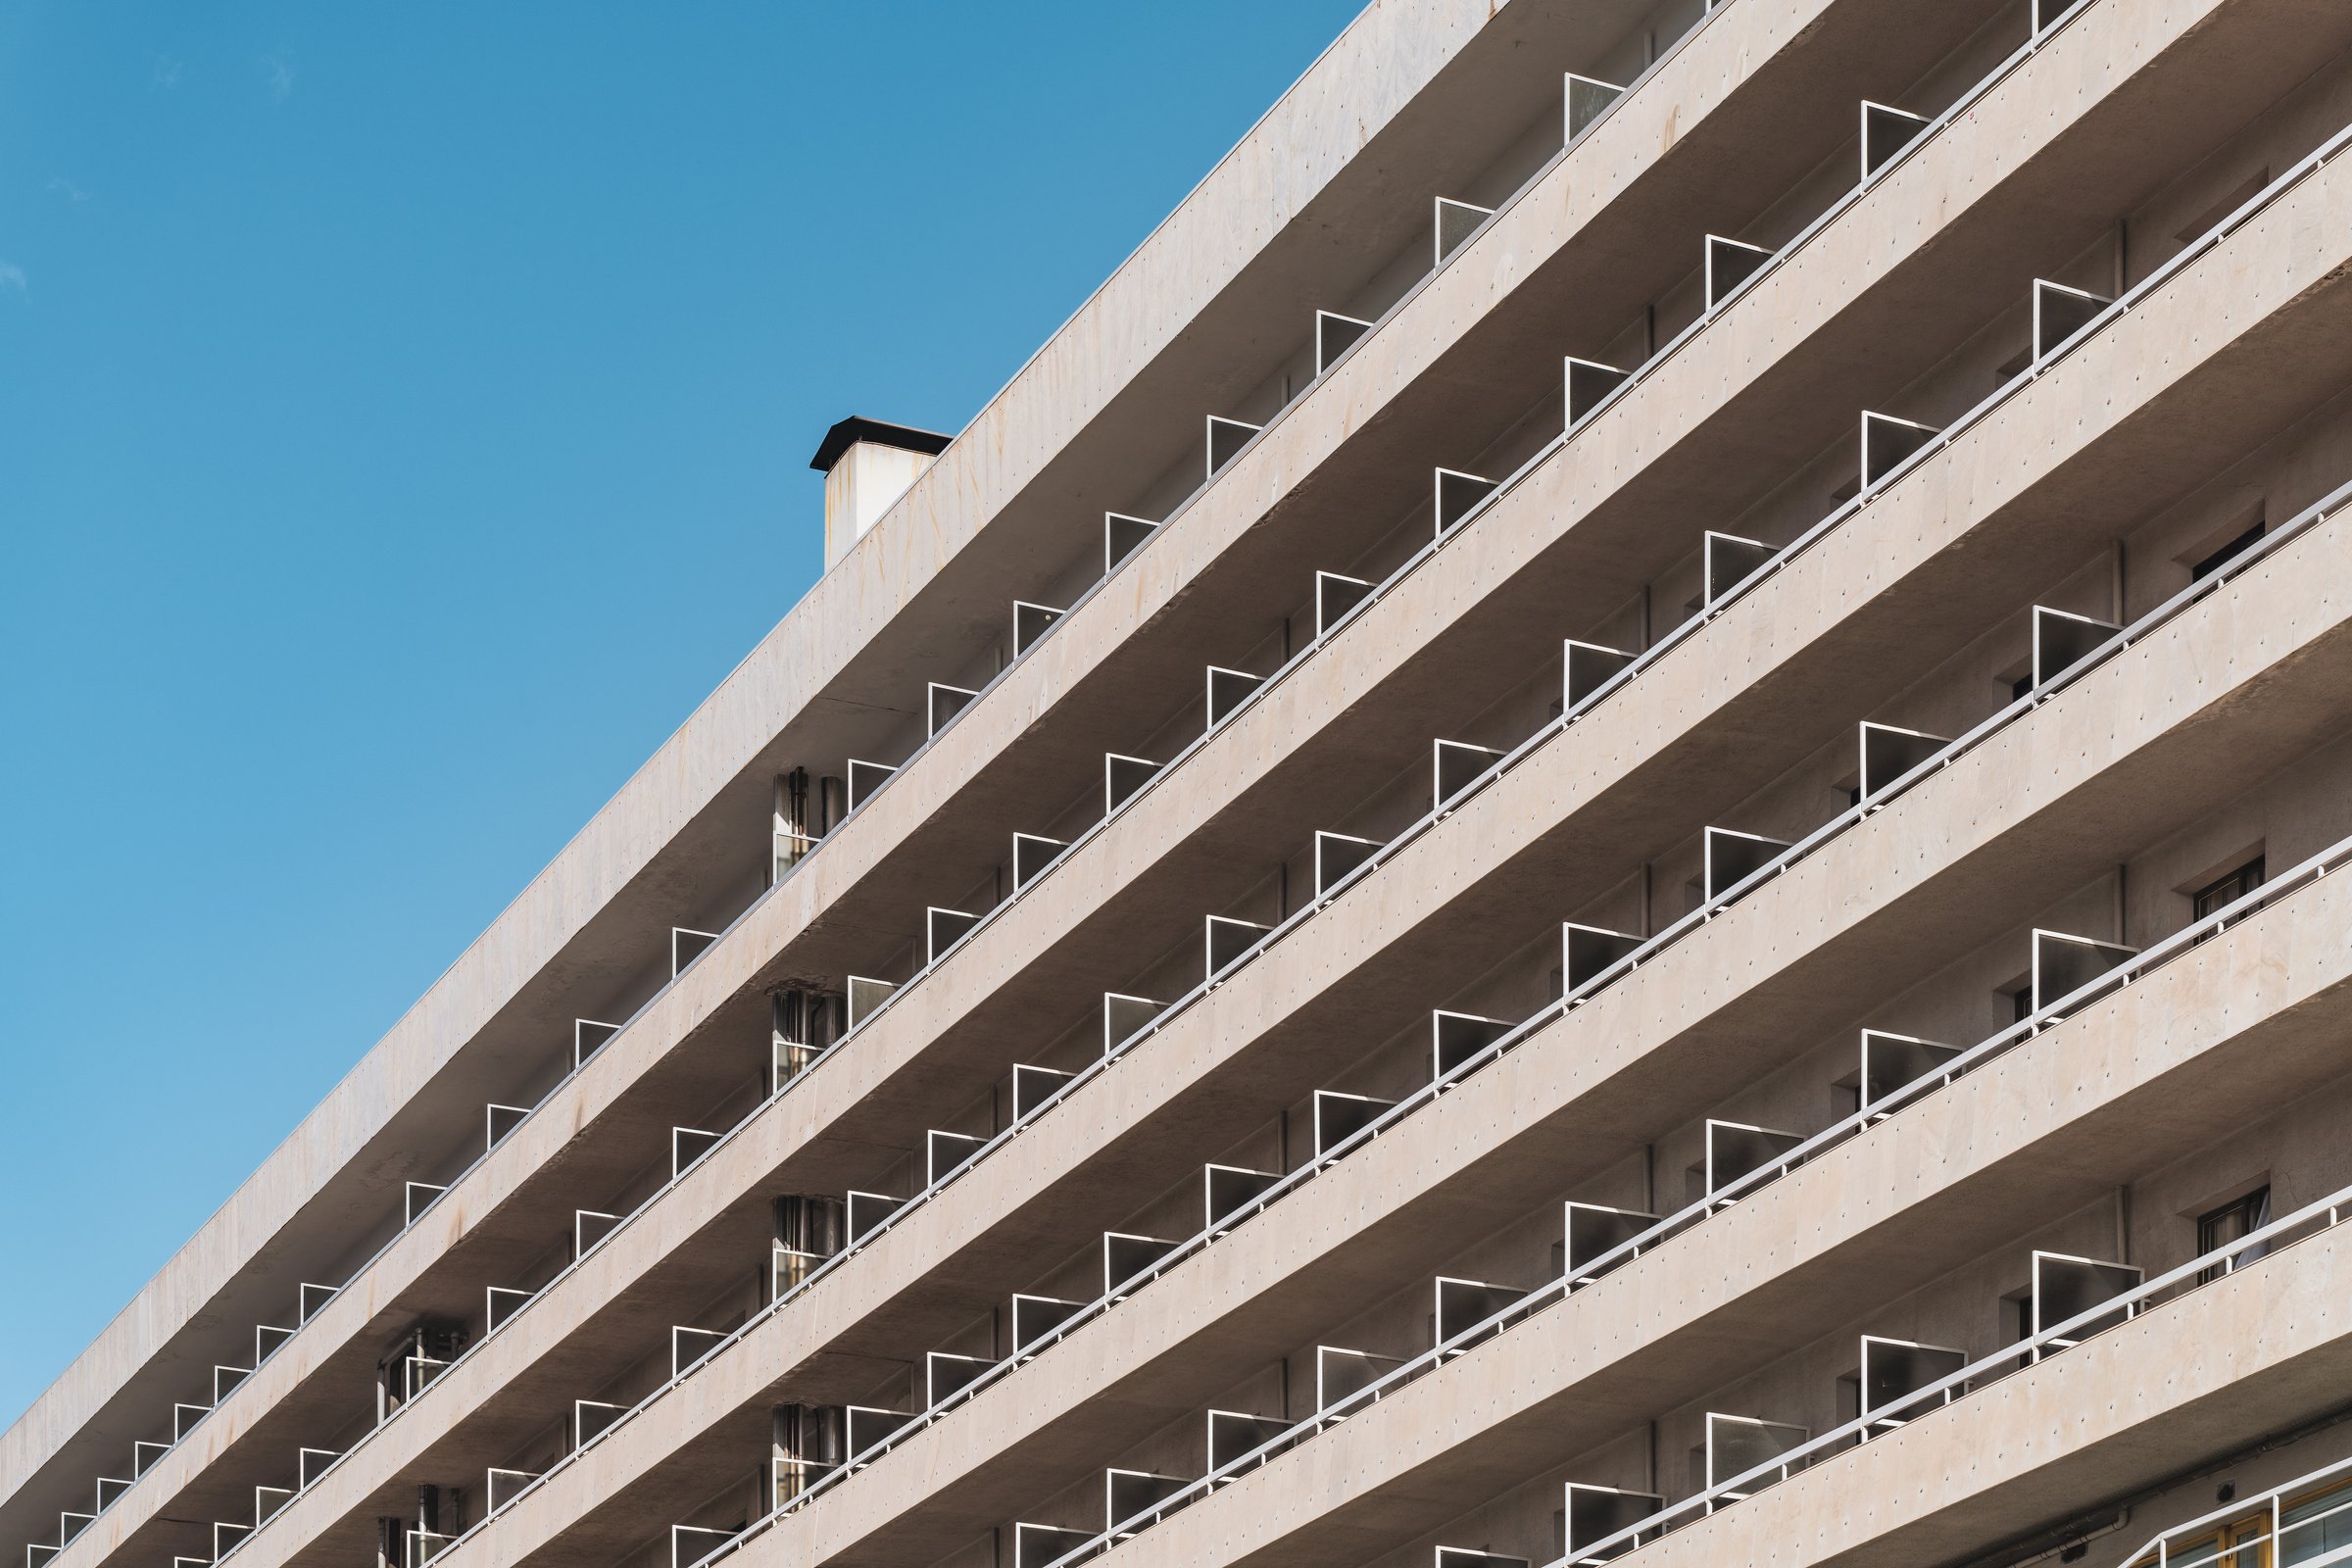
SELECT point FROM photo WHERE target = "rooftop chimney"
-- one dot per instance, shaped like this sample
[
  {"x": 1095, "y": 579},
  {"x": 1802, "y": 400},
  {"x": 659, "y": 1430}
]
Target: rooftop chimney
[{"x": 867, "y": 466}]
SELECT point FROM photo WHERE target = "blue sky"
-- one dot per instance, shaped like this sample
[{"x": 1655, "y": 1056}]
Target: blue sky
[{"x": 405, "y": 414}]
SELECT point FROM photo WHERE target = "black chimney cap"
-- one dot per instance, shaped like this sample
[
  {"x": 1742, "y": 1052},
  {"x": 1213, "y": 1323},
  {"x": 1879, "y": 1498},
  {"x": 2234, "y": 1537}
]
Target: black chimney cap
[{"x": 856, "y": 429}]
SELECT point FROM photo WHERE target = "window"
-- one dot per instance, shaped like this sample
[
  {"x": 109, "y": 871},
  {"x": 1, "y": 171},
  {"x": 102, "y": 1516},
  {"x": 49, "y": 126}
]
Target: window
[
  {"x": 2231, "y": 1222},
  {"x": 2222, "y": 892},
  {"x": 2021, "y": 1003},
  {"x": 2313, "y": 1526},
  {"x": 2318, "y": 1525},
  {"x": 2237, "y": 1545},
  {"x": 2018, "y": 687},
  {"x": 2226, "y": 554}
]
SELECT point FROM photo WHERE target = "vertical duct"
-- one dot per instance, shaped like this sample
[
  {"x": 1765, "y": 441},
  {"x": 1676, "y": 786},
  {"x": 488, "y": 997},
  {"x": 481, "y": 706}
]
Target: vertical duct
[
  {"x": 796, "y": 832},
  {"x": 805, "y": 1024}
]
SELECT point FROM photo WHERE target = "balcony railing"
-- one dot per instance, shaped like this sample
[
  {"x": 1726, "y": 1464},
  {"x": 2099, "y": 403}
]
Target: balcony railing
[
  {"x": 1649, "y": 951},
  {"x": 2198, "y": 1273},
  {"x": 790, "y": 851},
  {"x": 2303, "y": 1523},
  {"x": 1692, "y": 922},
  {"x": 1780, "y": 562}
]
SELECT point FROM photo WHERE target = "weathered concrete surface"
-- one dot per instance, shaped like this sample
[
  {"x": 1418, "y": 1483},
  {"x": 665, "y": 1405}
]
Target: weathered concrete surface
[
  {"x": 456, "y": 1219},
  {"x": 2257, "y": 1352},
  {"x": 2117, "y": 1089},
  {"x": 545, "y": 1153},
  {"x": 1194, "y": 290},
  {"x": 2193, "y": 1050},
  {"x": 2159, "y": 347},
  {"x": 1987, "y": 843}
]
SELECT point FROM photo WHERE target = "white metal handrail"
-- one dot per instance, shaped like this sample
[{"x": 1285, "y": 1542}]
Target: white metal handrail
[
  {"x": 1665, "y": 55},
  {"x": 2148, "y": 959},
  {"x": 2276, "y": 539},
  {"x": 2311, "y": 1220},
  {"x": 1584, "y": 1274},
  {"x": 2164, "y": 1549},
  {"x": 2267, "y": 1238},
  {"x": 1412, "y": 293},
  {"x": 2194, "y": 251},
  {"x": 1090, "y": 593}
]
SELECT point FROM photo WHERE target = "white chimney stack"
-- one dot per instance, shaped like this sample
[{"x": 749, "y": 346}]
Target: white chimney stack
[{"x": 867, "y": 466}]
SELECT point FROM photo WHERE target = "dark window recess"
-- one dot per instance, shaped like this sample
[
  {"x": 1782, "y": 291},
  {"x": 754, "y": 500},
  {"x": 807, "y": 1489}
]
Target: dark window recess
[
  {"x": 2233, "y": 1222},
  {"x": 2222, "y": 892},
  {"x": 2021, "y": 1003},
  {"x": 2210, "y": 218},
  {"x": 2226, "y": 554},
  {"x": 2021, "y": 686}
]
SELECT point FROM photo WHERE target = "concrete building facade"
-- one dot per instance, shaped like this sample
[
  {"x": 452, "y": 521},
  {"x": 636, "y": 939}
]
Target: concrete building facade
[{"x": 1603, "y": 826}]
